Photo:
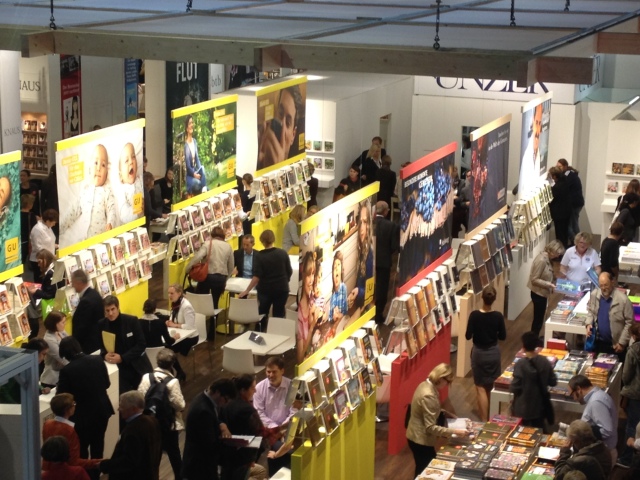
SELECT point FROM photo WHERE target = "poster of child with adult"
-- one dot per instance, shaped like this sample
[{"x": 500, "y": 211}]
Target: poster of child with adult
[
  {"x": 10, "y": 257},
  {"x": 100, "y": 174},
  {"x": 337, "y": 269}
]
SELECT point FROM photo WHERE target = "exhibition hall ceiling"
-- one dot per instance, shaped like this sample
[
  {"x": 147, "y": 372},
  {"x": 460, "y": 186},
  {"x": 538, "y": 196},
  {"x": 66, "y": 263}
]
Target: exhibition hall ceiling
[{"x": 475, "y": 37}]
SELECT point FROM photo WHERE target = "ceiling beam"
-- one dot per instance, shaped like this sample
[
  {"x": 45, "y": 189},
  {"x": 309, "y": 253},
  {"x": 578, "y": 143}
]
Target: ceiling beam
[
  {"x": 11, "y": 37},
  {"x": 130, "y": 45},
  {"x": 576, "y": 70},
  {"x": 618, "y": 43}
]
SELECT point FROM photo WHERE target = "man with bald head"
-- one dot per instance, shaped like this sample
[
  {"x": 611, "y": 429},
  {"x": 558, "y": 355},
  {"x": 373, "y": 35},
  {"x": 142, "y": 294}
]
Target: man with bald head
[
  {"x": 387, "y": 243},
  {"x": 610, "y": 313}
]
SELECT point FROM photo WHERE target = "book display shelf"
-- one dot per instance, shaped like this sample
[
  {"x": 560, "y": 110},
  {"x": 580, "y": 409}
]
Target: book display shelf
[{"x": 35, "y": 150}]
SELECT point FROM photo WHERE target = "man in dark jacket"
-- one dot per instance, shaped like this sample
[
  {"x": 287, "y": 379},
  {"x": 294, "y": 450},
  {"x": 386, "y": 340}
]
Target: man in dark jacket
[
  {"x": 88, "y": 313},
  {"x": 387, "y": 242},
  {"x": 203, "y": 431},
  {"x": 129, "y": 353},
  {"x": 243, "y": 257},
  {"x": 586, "y": 454},
  {"x": 531, "y": 376},
  {"x": 574, "y": 185},
  {"x": 138, "y": 452}
]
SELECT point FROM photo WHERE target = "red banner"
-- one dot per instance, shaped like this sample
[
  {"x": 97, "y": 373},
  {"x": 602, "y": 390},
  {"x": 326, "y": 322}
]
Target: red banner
[{"x": 70, "y": 94}]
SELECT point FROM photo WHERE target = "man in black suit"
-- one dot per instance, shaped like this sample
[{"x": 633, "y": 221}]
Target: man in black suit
[
  {"x": 138, "y": 452},
  {"x": 204, "y": 430},
  {"x": 243, "y": 258},
  {"x": 387, "y": 179},
  {"x": 387, "y": 242},
  {"x": 88, "y": 313},
  {"x": 129, "y": 353},
  {"x": 87, "y": 379},
  {"x": 363, "y": 156}
]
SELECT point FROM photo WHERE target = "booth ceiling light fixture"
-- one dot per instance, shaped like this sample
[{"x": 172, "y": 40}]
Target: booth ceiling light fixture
[{"x": 436, "y": 40}]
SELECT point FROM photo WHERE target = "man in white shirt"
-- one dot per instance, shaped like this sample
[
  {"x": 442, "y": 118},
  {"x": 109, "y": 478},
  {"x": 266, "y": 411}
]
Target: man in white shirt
[{"x": 269, "y": 401}]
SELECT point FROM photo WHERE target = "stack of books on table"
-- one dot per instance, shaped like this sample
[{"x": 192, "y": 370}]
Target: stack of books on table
[
  {"x": 565, "y": 369},
  {"x": 471, "y": 469},
  {"x": 506, "y": 420},
  {"x": 600, "y": 371},
  {"x": 437, "y": 470},
  {"x": 563, "y": 310},
  {"x": 525, "y": 436},
  {"x": 503, "y": 382}
]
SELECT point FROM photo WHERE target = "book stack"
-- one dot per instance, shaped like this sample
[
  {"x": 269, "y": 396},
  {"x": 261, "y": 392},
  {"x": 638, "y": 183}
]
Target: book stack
[
  {"x": 539, "y": 472},
  {"x": 470, "y": 469},
  {"x": 559, "y": 393},
  {"x": 509, "y": 462},
  {"x": 565, "y": 369},
  {"x": 525, "y": 436},
  {"x": 504, "y": 380},
  {"x": 506, "y": 419},
  {"x": 563, "y": 310},
  {"x": 434, "y": 474}
]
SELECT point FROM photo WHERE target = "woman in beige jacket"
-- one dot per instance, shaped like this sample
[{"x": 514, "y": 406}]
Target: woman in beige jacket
[
  {"x": 423, "y": 429},
  {"x": 541, "y": 282}
]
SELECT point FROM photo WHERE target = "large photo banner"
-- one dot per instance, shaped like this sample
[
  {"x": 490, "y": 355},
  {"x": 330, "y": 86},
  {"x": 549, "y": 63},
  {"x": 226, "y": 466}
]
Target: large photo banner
[
  {"x": 10, "y": 255},
  {"x": 204, "y": 148},
  {"x": 100, "y": 178},
  {"x": 281, "y": 122},
  {"x": 337, "y": 269},
  {"x": 426, "y": 211},
  {"x": 489, "y": 164},
  {"x": 71, "y": 95},
  {"x": 534, "y": 144}
]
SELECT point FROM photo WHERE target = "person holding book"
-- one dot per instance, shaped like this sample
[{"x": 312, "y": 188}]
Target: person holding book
[
  {"x": 532, "y": 376},
  {"x": 541, "y": 282},
  {"x": 580, "y": 258},
  {"x": 610, "y": 313},
  {"x": 631, "y": 392},
  {"x": 585, "y": 454},
  {"x": 269, "y": 400},
  {"x": 423, "y": 428},
  {"x": 485, "y": 327}
]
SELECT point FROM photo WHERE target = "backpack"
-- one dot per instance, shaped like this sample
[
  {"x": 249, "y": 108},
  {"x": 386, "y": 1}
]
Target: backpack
[{"x": 157, "y": 402}]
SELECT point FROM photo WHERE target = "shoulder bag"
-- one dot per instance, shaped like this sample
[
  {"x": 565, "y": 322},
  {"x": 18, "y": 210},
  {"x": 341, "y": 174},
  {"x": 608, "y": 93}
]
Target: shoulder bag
[{"x": 199, "y": 271}]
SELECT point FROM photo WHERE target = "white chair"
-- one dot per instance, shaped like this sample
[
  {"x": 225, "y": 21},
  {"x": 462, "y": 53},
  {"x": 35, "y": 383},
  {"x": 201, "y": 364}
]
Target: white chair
[
  {"x": 201, "y": 327},
  {"x": 203, "y": 303},
  {"x": 239, "y": 361},
  {"x": 244, "y": 310},
  {"x": 152, "y": 354},
  {"x": 286, "y": 327}
]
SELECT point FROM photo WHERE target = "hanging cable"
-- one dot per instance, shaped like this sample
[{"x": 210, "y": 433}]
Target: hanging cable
[
  {"x": 513, "y": 13},
  {"x": 189, "y": 5},
  {"x": 436, "y": 44},
  {"x": 52, "y": 20},
  {"x": 567, "y": 5}
]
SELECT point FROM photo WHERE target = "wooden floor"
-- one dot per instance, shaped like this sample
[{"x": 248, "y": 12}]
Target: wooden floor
[{"x": 387, "y": 467}]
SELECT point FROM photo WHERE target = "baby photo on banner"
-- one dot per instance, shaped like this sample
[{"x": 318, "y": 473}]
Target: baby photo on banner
[
  {"x": 100, "y": 178},
  {"x": 337, "y": 269},
  {"x": 10, "y": 257}
]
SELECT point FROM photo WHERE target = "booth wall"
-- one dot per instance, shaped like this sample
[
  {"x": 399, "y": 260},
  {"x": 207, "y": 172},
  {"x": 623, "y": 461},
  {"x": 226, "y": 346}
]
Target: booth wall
[
  {"x": 247, "y": 132},
  {"x": 10, "y": 119},
  {"x": 156, "y": 115},
  {"x": 103, "y": 100},
  {"x": 358, "y": 120}
]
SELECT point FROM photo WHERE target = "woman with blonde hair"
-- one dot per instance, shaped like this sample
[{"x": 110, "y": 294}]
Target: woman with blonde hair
[
  {"x": 426, "y": 415},
  {"x": 371, "y": 165},
  {"x": 290, "y": 235},
  {"x": 580, "y": 258}
]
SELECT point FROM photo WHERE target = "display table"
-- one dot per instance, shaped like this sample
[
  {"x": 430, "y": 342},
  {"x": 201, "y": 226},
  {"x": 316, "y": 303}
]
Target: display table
[
  {"x": 271, "y": 341},
  {"x": 615, "y": 380}
]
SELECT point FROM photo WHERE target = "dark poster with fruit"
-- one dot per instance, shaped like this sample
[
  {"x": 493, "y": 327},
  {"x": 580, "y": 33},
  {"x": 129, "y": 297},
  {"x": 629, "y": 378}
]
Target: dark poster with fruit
[
  {"x": 489, "y": 163},
  {"x": 426, "y": 209}
]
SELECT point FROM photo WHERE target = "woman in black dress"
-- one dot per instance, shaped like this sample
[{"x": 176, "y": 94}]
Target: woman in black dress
[{"x": 485, "y": 327}]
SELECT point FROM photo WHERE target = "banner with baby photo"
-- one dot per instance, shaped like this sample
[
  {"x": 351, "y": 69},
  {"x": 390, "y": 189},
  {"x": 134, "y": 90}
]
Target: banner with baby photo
[
  {"x": 281, "y": 122},
  {"x": 426, "y": 208},
  {"x": 10, "y": 256},
  {"x": 337, "y": 271},
  {"x": 204, "y": 149},
  {"x": 100, "y": 179}
]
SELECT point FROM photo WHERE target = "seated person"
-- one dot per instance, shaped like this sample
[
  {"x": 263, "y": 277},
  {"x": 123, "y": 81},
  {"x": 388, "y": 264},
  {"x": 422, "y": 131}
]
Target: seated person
[
  {"x": 586, "y": 454},
  {"x": 243, "y": 258}
]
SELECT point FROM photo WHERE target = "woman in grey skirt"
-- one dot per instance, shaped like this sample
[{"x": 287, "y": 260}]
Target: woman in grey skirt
[{"x": 485, "y": 327}]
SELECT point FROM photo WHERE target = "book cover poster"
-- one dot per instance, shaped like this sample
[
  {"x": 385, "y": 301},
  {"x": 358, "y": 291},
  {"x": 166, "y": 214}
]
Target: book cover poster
[
  {"x": 426, "y": 212},
  {"x": 100, "y": 174},
  {"x": 489, "y": 163},
  {"x": 337, "y": 269},
  {"x": 71, "y": 95},
  {"x": 534, "y": 144},
  {"x": 281, "y": 122},
  {"x": 204, "y": 148},
  {"x": 131, "y": 69},
  {"x": 10, "y": 256}
]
